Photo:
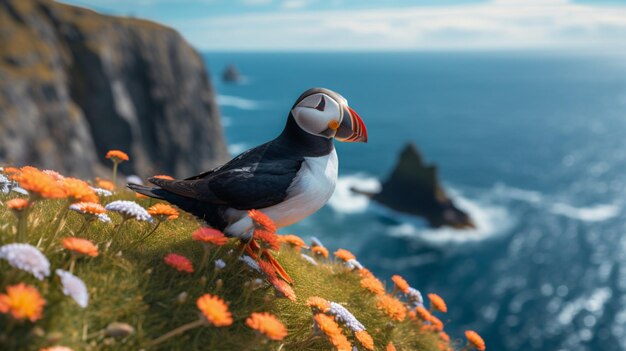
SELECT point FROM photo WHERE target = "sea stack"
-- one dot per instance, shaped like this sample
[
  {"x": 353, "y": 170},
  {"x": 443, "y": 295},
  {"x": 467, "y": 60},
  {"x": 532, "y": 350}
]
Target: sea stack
[
  {"x": 413, "y": 188},
  {"x": 231, "y": 74}
]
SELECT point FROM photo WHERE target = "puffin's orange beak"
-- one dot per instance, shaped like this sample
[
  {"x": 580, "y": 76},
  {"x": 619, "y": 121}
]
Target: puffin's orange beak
[{"x": 352, "y": 129}]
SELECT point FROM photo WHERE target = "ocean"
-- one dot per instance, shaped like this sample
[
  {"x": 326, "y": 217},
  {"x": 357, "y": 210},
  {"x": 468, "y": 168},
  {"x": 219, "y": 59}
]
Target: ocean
[{"x": 531, "y": 144}]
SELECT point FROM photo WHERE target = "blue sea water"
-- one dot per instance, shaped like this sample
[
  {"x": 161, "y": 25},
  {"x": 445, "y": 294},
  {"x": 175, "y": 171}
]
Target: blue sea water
[{"x": 533, "y": 145}]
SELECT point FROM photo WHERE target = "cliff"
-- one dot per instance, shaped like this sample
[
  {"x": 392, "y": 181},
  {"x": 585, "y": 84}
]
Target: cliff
[
  {"x": 75, "y": 83},
  {"x": 414, "y": 188}
]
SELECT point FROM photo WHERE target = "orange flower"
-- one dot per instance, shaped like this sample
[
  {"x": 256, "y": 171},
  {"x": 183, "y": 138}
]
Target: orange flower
[
  {"x": 56, "y": 348},
  {"x": 209, "y": 236},
  {"x": 437, "y": 323},
  {"x": 215, "y": 310},
  {"x": 365, "y": 339},
  {"x": 329, "y": 327},
  {"x": 17, "y": 205},
  {"x": 437, "y": 303},
  {"x": 475, "y": 340},
  {"x": 293, "y": 240},
  {"x": 365, "y": 273},
  {"x": 163, "y": 176},
  {"x": 392, "y": 307},
  {"x": 391, "y": 347},
  {"x": 318, "y": 303},
  {"x": 261, "y": 220},
  {"x": 78, "y": 190},
  {"x": 54, "y": 174},
  {"x": 373, "y": 285},
  {"x": 105, "y": 184},
  {"x": 81, "y": 246},
  {"x": 91, "y": 208},
  {"x": 22, "y": 302},
  {"x": 320, "y": 250},
  {"x": 444, "y": 337},
  {"x": 344, "y": 255},
  {"x": 283, "y": 288},
  {"x": 400, "y": 283},
  {"x": 163, "y": 212},
  {"x": 178, "y": 262},
  {"x": 39, "y": 183},
  {"x": 267, "y": 325},
  {"x": 268, "y": 239},
  {"x": 117, "y": 156},
  {"x": 423, "y": 313}
]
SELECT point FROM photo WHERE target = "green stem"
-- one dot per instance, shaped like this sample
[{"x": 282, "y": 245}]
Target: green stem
[
  {"x": 59, "y": 223},
  {"x": 22, "y": 224},
  {"x": 115, "y": 173},
  {"x": 115, "y": 233},
  {"x": 72, "y": 262},
  {"x": 152, "y": 231},
  {"x": 205, "y": 256},
  {"x": 83, "y": 227},
  {"x": 183, "y": 328}
]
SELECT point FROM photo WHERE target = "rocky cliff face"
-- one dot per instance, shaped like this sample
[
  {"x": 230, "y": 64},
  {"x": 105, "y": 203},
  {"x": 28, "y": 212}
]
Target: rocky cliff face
[
  {"x": 74, "y": 84},
  {"x": 414, "y": 188}
]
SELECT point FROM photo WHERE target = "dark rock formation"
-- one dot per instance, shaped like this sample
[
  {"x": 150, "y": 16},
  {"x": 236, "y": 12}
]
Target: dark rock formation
[
  {"x": 231, "y": 74},
  {"x": 74, "y": 84},
  {"x": 413, "y": 188}
]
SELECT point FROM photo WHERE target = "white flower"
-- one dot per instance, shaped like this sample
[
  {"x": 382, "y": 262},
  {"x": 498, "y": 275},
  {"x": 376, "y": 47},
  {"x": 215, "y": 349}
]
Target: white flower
[
  {"x": 103, "y": 217},
  {"x": 220, "y": 264},
  {"x": 344, "y": 316},
  {"x": 19, "y": 190},
  {"x": 309, "y": 259},
  {"x": 250, "y": 262},
  {"x": 27, "y": 258},
  {"x": 353, "y": 264},
  {"x": 134, "y": 179},
  {"x": 101, "y": 192},
  {"x": 74, "y": 287},
  {"x": 5, "y": 184},
  {"x": 129, "y": 209},
  {"x": 414, "y": 297},
  {"x": 316, "y": 242}
]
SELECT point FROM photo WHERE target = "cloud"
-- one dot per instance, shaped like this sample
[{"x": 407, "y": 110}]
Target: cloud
[{"x": 496, "y": 24}]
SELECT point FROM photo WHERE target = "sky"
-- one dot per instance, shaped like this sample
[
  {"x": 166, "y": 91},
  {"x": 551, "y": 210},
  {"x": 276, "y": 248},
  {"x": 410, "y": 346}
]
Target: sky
[{"x": 384, "y": 25}]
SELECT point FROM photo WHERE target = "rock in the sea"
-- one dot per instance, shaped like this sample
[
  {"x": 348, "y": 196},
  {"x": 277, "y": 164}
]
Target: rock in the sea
[
  {"x": 231, "y": 74},
  {"x": 75, "y": 83},
  {"x": 414, "y": 188}
]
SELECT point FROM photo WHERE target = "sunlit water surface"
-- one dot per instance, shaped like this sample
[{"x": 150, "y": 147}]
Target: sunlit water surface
[{"x": 533, "y": 145}]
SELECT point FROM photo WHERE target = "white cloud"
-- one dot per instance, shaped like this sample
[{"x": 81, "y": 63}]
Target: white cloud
[{"x": 495, "y": 24}]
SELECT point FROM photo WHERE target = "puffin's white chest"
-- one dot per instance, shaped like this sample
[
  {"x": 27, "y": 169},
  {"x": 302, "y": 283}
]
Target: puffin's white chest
[{"x": 310, "y": 190}]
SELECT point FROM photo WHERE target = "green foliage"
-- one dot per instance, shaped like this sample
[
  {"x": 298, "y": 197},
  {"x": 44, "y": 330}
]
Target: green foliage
[{"x": 129, "y": 283}]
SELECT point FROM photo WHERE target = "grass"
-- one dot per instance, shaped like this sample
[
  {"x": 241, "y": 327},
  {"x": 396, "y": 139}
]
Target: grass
[{"x": 129, "y": 283}]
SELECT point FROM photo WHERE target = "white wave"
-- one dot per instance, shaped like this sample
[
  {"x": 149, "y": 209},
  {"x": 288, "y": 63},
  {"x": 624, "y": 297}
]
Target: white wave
[
  {"x": 346, "y": 201},
  {"x": 490, "y": 220},
  {"x": 505, "y": 191},
  {"x": 238, "y": 102},
  {"x": 596, "y": 213},
  {"x": 237, "y": 148}
]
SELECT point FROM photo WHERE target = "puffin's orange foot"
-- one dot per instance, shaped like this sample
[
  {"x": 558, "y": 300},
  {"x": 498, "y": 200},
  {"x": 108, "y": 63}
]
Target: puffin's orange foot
[
  {"x": 253, "y": 247},
  {"x": 279, "y": 269}
]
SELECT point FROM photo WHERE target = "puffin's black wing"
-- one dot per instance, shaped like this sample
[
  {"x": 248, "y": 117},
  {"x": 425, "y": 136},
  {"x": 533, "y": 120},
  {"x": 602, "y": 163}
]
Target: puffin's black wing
[{"x": 258, "y": 178}]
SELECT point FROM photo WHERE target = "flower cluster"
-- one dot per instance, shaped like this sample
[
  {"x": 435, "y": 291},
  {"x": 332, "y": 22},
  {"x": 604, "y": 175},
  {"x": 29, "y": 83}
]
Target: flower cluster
[
  {"x": 91, "y": 211},
  {"x": 267, "y": 325},
  {"x": 27, "y": 258},
  {"x": 38, "y": 183},
  {"x": 163, "y": 212},
  {"x": 22, "y": 302},
  {"x": 74, "y": 287},
  {"x": 129, "y": 210}
]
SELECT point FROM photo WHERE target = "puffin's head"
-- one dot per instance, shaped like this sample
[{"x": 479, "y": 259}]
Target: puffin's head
[{"x": 324, "y": 113}]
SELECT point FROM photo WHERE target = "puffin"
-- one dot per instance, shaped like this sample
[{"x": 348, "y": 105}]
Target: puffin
[{"x": 288, "y": 178}]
